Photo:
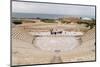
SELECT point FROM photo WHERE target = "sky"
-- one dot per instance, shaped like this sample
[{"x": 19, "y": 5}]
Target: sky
[{"x": 44, "y": 8}]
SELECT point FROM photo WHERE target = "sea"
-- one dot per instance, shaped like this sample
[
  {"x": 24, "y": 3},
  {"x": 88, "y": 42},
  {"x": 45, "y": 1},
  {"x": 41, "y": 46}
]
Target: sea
[{"x": 45, "y": 16}]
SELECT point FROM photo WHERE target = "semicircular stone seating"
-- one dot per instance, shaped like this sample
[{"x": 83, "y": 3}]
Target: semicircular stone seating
[
  {"x": 84, "y": 52},
  {"x": 24, "y": 51}
]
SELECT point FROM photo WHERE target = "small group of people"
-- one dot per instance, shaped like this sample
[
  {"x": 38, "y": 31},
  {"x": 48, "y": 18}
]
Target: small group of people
[{"x": 55, "y": 31}]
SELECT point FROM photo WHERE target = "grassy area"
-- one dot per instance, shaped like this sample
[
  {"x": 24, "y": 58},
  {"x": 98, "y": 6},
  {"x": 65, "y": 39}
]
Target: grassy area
[{"x": 48, "y": 20}]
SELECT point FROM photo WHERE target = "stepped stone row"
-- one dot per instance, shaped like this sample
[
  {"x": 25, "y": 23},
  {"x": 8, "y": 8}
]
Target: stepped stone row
[
  {"x": 89, "y": 35},
  {"x": 22, "y": 35}
]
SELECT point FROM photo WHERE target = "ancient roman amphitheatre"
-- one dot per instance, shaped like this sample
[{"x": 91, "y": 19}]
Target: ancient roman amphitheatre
[
  {"x": 43, "y": 41},
  {"x": 49, "y": 33}
]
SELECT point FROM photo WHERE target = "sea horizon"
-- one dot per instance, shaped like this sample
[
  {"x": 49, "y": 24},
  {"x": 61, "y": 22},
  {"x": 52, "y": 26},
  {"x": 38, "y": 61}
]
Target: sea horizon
[{"x": 46, "y": 16}]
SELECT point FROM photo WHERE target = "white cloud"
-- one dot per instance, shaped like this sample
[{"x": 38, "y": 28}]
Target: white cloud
[{"x": 29, "y": 7}]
